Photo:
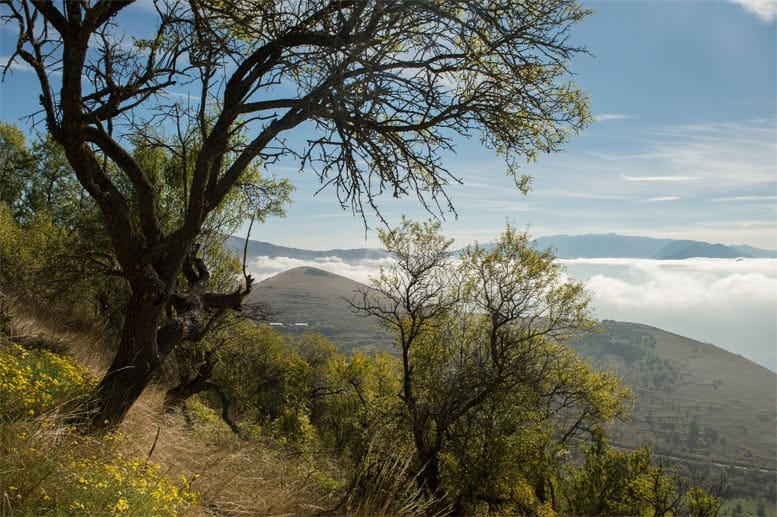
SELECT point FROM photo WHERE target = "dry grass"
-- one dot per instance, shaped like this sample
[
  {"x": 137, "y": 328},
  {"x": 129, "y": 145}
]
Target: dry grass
[
  {"x": 233, "y": 476},
  {"x": 85, "y": 344}
]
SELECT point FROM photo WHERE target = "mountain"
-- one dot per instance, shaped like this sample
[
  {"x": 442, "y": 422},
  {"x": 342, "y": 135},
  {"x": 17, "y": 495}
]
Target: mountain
[
  {"x": 755, "y": 252},
  {"x": 601, "y": 245},
  {"x": 310, "y": 299},
  {"x": 694, "y": 402},
  {"x": 689, "y": 249},
  {"x": 610, "y": 245},
  {"x": 265, "y": 249}
]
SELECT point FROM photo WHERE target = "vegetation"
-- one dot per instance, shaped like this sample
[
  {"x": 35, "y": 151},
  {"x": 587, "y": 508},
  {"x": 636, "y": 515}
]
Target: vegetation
[
  {"x": 328, "y": 429},
  {"x": 108, "y": 226}
]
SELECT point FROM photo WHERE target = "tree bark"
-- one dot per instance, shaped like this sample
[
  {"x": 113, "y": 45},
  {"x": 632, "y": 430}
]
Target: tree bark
[{"x": 137, "y": 359}]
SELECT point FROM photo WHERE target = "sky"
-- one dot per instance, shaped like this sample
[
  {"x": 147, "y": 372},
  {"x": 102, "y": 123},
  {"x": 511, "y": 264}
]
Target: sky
[{"x": 684, "y": 144}]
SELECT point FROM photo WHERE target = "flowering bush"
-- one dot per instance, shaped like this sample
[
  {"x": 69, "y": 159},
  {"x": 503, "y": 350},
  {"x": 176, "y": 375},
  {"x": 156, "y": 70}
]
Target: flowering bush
[
  {"x": 49, "y": 469},
  {"x": 123, "y": 486},
  {"x": 34, "y": 381}
]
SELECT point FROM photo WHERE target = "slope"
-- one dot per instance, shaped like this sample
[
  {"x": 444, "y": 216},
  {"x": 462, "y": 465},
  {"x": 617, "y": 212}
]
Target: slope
[
  {"x": 310, "y": 299},
  {"x": 693, "y": 399}
]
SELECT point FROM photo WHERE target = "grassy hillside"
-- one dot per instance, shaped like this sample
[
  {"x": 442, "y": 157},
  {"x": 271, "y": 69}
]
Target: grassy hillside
[
  {"x": 693, "y": 400},
  {"x": 155, "y": 463}
]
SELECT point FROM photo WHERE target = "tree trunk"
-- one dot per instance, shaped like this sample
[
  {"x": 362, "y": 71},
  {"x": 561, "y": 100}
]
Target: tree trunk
[{"x": 137, "y": 359}]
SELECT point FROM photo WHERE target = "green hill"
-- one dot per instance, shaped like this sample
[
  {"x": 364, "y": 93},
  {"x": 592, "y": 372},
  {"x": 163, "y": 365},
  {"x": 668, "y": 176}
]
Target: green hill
[
  {"x": 693, "y": 399},
  {"x": 694, "y": 402}
]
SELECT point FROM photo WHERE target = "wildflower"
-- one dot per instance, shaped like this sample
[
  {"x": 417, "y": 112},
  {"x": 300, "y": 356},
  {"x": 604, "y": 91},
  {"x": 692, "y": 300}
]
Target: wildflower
[{"x": 122, "y": 505}]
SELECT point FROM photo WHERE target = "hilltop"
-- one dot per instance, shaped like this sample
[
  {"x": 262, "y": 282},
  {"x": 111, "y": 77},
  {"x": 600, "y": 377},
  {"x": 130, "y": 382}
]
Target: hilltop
[{"x": 307, "y": 298}]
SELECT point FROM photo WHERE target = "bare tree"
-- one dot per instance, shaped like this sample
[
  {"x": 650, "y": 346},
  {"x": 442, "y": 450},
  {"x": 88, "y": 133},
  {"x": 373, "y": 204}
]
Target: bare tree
[{"x": 379, "y": 86}]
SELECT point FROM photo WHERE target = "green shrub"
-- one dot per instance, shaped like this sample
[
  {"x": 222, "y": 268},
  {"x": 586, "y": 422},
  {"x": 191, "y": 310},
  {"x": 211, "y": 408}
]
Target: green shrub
[{"x": 50, "y": 469}]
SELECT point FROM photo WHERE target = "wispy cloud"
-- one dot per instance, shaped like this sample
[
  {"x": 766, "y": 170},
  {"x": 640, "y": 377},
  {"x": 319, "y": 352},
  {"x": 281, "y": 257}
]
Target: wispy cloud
[
  {"x": 611, "y": 116},
  {"x": 742, "y": 198},
  {"x": 764, "y": 10},
  {"x": 18, "y": 65},
  {"x": 661, "y": 199},
  {"x": 659, "y": 178}
]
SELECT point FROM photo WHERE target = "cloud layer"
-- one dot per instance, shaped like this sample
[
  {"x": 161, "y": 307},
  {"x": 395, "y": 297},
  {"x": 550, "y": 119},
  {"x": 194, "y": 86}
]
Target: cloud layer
[{"x": 730, "y": 303}]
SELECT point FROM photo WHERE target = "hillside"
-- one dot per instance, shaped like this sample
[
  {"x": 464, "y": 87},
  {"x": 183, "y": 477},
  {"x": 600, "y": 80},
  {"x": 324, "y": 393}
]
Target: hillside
[
  {"x": 694, "y": 401},
  {"x": 307, "y": 298}
]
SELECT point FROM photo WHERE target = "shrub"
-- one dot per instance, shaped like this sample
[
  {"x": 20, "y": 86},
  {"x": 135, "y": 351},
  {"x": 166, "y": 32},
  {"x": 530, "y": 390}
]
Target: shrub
[
  {"x": 34, "y": 381},
  {"x": 49, "y": 469}
]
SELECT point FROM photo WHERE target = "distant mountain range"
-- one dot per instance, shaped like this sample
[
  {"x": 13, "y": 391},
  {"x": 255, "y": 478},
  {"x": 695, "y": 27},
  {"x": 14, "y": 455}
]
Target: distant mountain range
[
  {"x": 627, "y": 246},
  {"x": 608, "y": 245},
  {"x": 696, "y": 403}
]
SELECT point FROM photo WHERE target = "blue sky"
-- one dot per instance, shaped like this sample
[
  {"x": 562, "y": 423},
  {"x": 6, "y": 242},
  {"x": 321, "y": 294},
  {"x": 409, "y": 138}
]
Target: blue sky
[{"x": 684, "y": 146}]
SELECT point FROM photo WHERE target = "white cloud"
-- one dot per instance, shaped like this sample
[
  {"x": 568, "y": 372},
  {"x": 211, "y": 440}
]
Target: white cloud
[
  {"x": 729, "y": 303},
  {"x": 18, "y": 64},
  {"x": 359, "y": 270},
  {"x": 662, "y": 199},
  {"x": 764, "y": 10},
  {"x": 659, "y": 178},
  {"x": 611, "y": 116},
  {"x": 742, "y": 198}
]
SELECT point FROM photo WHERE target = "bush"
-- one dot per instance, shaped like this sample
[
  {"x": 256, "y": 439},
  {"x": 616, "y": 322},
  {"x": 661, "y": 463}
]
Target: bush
[
  {"x": 34, "y": 381},
  {"x": 49, "y": 469}
]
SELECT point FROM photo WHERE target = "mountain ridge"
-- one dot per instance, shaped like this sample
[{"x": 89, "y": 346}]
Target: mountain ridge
[{"x": 608, "y": 245}]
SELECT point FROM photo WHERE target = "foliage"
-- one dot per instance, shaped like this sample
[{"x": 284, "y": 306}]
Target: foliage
[
  {"x": 36, "y": 381},
  {"x": 384, "y": 86},
  {"x": 491, "y": 394},
  {"x": 82, "y": 476},
  {"x": 615, "y": 482},
  {"x": 701, "y": 503},
  {"x": 15, "y": 162}
]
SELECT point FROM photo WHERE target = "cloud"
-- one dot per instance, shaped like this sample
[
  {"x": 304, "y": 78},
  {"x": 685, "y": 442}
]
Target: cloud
[
  {"x": 659, "y": 178},
  {"x": 742, "y": 198},
  {"x": 18, "y": 64},
  {"x": 764, "y": 10},
  {"x": 729, "y": 303},
  {"x": 659, "y": 199},
  {"x": 359, "y": 270},
  {"x": 611, "y": 116}
]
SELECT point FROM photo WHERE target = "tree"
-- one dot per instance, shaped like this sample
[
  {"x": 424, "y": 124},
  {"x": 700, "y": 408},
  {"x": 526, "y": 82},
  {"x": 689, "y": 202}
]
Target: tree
[
  {"x": 15, "y": 164},
  {"x": 491, "y": 393},
  {"x": 381, "y": 86}
]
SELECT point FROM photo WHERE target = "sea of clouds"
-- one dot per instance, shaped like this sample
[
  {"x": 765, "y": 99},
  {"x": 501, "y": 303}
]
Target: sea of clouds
[{"x": 730, "y": 303}]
